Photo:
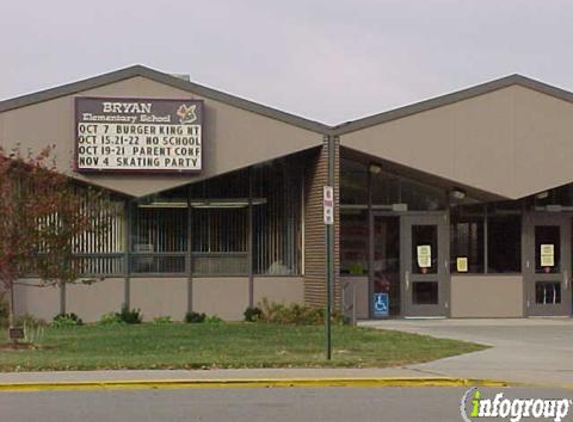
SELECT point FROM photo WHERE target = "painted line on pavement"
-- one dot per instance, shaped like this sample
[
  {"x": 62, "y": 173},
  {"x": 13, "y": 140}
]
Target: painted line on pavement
[{"x": 250, "y": 383}]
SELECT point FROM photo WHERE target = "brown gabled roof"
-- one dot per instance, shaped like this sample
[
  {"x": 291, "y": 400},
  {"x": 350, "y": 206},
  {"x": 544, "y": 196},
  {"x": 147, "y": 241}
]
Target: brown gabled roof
[
  {"x": 451, "y": 98},
  {"x": 170, "y": 80}
]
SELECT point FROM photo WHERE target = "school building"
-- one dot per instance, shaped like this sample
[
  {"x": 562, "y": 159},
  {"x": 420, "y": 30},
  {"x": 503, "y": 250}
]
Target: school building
[{"x": 459, "y": 206}]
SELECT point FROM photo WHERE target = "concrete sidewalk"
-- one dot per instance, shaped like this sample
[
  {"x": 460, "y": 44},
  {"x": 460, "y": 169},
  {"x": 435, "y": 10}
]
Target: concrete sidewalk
[{"x": 538, "y": 351}]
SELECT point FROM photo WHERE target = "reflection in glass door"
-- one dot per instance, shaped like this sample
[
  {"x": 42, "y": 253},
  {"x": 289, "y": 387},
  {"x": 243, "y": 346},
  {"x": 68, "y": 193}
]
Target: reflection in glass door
[
  {"x": 425, "y": 265},
  {"x": 386, "y": 265},
  {"x": 546, "y": 268}
]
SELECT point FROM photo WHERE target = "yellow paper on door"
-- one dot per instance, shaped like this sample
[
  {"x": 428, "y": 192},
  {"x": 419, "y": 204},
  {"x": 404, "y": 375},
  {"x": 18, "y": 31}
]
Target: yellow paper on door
[
  {"x": 547, "y": 255},
  {"x": 462, "y": 264},
  {"x": 424, "y": 256}
]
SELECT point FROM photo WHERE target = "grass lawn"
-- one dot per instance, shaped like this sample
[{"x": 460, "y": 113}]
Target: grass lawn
[{"x": 231, "y": 345}]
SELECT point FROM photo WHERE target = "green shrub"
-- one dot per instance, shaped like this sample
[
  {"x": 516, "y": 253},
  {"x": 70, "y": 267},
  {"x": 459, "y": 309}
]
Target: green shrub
[
  {"x": 162, "y": 320},
  {"x": 29, "y": 320},
  {"x": 252, "y": 314},
  {"x": 130, "y": 316},
  {"x": 125, "y": 316},
  {"x": 295, "y": 313},
  {"x": 66, "y": 320},
  {"x": 33, "y": 334},
  {"x": 111, "y": 319},
  {"x": 195, "y": 317},
  {"x": 214, "y": 319}
]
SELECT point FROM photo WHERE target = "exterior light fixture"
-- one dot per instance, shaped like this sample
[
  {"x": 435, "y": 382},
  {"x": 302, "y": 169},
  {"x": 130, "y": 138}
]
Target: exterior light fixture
[
  {"x": 205, "y": 203},
  {"x": 458, "y": 194},
  {"x": 163, "y": 204},
  {"x": 374, "y": 169},
  {"x": 542, "y": 195},
  {"x": 226, "y": 203}
]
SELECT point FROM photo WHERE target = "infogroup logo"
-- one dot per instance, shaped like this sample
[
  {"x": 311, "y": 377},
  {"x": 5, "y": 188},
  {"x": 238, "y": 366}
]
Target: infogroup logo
[{"x": 474, "y": 407}]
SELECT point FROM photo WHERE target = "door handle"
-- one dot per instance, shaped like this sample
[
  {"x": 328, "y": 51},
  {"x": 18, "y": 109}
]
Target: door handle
[
  {"x": 566, "y": 280},
  {"x": 407, "y": 276}
]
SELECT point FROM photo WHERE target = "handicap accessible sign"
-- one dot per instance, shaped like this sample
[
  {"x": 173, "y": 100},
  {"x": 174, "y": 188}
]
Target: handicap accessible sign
[{"x": 380, "y": 302}]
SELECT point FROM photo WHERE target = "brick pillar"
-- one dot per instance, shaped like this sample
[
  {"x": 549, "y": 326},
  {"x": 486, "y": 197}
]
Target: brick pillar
[{"x": 316, "y": 176}]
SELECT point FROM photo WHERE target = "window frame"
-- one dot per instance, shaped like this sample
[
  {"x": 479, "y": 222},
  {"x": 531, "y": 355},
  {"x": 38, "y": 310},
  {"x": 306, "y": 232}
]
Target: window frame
[{"x": 485, "y": 216}]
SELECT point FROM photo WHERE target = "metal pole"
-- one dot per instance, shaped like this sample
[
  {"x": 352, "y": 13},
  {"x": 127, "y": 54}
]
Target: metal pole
[
  {"x": 189, "y": 264},
  {"x": 329, "y": 253},
  {"x": 128, "y": 212},
  {"x": 250, "y": 241}
]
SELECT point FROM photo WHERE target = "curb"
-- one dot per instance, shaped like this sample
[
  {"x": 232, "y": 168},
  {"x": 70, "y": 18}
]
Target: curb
[{"x": 250, "y": 383}]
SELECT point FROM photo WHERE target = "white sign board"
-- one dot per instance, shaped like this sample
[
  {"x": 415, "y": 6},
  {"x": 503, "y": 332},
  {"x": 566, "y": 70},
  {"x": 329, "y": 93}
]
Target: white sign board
[
  {"x": 138, "y": 135},
  {"x": 328, "y": 204}
]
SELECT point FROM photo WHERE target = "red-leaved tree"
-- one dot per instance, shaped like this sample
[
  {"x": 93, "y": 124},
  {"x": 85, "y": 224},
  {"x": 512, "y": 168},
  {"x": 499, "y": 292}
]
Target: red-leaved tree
[{"x": 43, "y": 217}]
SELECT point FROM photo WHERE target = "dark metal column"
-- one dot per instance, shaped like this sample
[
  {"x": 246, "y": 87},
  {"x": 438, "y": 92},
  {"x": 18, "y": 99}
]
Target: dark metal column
[
  {"x": 250, "y": 241},
  {"x": 371, "y": 224},
  {"x": 62, "y": 297},
  {"x": 127, "y": 243},
  {"x": 189, "y": 252}
]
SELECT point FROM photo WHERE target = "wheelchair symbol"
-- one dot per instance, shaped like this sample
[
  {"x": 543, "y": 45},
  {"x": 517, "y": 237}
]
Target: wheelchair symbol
[{"x": 381, "y": 304}]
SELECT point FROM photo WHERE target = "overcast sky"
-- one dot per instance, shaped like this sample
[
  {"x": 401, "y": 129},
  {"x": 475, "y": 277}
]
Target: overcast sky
[{"x": 327, "y": 60}]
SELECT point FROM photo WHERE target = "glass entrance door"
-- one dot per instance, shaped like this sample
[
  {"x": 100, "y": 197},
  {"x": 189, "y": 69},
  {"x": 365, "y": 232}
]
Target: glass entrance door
[
  {"x": 385, "y": 282},
  {"x": 425, "y": 267},
  {"x": 547, "y": 264}
]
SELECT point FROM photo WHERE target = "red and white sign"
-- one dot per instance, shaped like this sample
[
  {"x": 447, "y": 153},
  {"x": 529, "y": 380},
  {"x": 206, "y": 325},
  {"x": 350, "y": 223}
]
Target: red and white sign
[{"x": 328, "y": 204}]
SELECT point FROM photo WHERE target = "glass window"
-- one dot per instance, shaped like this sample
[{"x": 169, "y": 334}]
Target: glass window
[
  {"x": 562, "y": 196},
  {"x": 104, "y": 256},
  {"x": 158, "y": 238},
  {"x": 425, "y": 249},
  {"x": 277, "y": 219},
  {"x": 220, "y": 223},
  {"x": 220, "y": 241},
  {"x": 467, "y": 245},
  {"x": 425, "y": 293},
  {"x": 387, "y": 260},
  {"x": 547, "y": 293},
  {"x": 353, "y": 182},
  {"x": 385, "y": 189},
  {"x": 422, "y": 197},
  {"x": 353, "y": 242},
  {"x": 468, "y": 248},
  {"x": 504, "y": 244},
  {"x": 388, "y": 189},
  {"x": 547, "y": 249}
]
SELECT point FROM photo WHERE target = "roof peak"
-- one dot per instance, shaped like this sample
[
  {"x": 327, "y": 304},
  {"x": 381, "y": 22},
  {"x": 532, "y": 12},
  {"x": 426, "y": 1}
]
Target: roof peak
[
  {"x": 167, "y": 79},
  {"x": 453, "y": 97},
  {"x": 267, "y": 111}
]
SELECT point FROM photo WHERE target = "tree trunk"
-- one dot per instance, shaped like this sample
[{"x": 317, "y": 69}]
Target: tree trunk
[
  {"x": 11, "y": 307},
  {"x": 11, "y": 311}
]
